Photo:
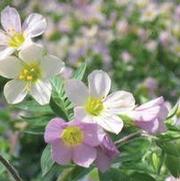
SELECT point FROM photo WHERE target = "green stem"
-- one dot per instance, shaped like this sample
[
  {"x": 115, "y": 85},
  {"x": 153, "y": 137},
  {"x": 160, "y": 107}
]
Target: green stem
[
  {"x": 10, "y": 168},
  {"x": 126, "y": 138}
]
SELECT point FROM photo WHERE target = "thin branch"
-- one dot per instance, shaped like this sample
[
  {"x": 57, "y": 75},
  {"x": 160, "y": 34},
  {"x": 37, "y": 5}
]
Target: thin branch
[
  {"x": 10, "y": 168},
  {"x": 126, "y": 138}
]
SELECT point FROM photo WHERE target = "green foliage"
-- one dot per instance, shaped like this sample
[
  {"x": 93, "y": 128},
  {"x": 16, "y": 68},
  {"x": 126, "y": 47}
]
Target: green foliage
[
  {"x": 46, "y": 160},
  {"x": 4, "y": 3},
  {"x": 59, "y": 101}
]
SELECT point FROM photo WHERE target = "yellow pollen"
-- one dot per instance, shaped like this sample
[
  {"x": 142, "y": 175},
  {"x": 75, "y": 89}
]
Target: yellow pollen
[
  {"x": 72, "y": 136},
  {"x": 94, "y": 106},
  {"x": 30, "y": 73},
  {"x": 16, "y": 40}
]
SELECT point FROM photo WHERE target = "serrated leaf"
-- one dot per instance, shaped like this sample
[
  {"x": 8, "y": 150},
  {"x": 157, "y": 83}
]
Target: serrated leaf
[
  {"x": 46, "y": 160},
  {"x": 32, "y": 106},
  {"x": 59, "y": 102},
  {"x": 79, "y": 73}
]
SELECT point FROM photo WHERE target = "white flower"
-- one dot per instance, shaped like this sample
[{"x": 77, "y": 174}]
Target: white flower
[
  {"x": 94, "y": 104},
  {"x": 150, "y": 13},
  {"x": 30, "y": 73},
  {"x": 15, "y": 37}
]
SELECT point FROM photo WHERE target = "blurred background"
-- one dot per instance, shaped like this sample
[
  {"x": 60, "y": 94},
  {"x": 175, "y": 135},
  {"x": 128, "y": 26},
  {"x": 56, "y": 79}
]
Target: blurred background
[{"x": 136, "y": 41}]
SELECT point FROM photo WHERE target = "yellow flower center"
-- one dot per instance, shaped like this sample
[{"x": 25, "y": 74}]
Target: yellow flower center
[
  {"x": 30, "y": 73},
  {"x": 94, "y": 106},
  {"x": 16, "y": 40},
  {"x": 72, "y": 136}
]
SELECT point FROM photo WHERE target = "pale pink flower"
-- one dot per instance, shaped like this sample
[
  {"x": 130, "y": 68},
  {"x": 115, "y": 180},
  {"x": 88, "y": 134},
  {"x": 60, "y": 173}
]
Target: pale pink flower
[
  {"x": 150, "y": 116},
  {"x": 73, "y": 141},
  {"x": 106, "y": 152}
]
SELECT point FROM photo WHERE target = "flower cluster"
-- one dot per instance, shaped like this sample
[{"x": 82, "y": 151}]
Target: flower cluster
[
  {"x": 30, "y": 67},
  {"x": 85, "y": 139},
  {"x": 94, "y": 108}
]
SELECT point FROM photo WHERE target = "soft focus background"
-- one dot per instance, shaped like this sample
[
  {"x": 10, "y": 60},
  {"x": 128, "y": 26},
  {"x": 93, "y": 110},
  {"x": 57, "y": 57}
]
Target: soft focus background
[{"x": 136, "y": 41}]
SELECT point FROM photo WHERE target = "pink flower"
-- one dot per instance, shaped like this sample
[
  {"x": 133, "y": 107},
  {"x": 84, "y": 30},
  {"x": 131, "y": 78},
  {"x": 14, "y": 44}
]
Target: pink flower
[
  {"x": 73, "y": 141},
  {"x": 151, "y": 115},
  {"x": 15, "y": 36},
  {"x": 106, "y": 152}
]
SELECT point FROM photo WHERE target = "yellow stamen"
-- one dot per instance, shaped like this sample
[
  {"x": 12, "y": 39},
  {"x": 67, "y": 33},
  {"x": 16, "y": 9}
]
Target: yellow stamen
[
  {"x": 72, "y": 136},
  {"x": 30, "y": 73},
  {"x": 94, "y": 106},
  {"x": 16, "y": 40}
]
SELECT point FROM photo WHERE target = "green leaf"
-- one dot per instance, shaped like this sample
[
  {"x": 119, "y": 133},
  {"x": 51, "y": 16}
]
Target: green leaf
[
  {"x": 173, "y": 111},
  {"x": 156, "y": 161},
  {"x": 34, "y": 107},
  {"x": 172, "y": 147},
  {"x": 59, "y": 103},
  {"x": 112, "y": 175},
  {"x": 73, "y": 173},
  {"x": 141, "y": 176},
  {"x": 173, "y": 164},
  {"x": 46, "y": 161},
  {"x": 79, "y": 73},
  {"x": 80, "y": 172}
]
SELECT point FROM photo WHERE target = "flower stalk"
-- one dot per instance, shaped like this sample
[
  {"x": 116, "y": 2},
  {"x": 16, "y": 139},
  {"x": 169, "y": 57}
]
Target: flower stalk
[{"x": 10, "y": 168}]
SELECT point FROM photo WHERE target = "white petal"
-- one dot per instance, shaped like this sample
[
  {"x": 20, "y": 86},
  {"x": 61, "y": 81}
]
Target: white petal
[
  {"x": 110, "y": 123},
  {"x": 15, "y": 91},
  {"x": 3, "y": 38},
  {"x": 10, "y": 20},
  {"x": 51, "y": 65},
  {"x": 5, "y": 52},
  {"x": 120, "y": 101},
  {"x": 99, "y": 83},
  {"x": 32, "y": 53},
  {"x": 81, "y": 115},
  {"x": 77, "y": 92},
  {"x": 34, "y": 25},
  {"x": 10, "y": 67},
  {"x": 41, "y": 92}
]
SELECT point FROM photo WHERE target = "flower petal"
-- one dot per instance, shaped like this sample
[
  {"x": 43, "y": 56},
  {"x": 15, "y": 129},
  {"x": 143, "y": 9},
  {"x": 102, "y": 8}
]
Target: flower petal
[
  {"x": 103, "y": 162},
  {"x": 61, "y": 153},
  {"x": 15, "y": 91},
  {"x": 10, "y": 20},
  {"x": 150, "y": 126},
  {"x": 53, "y": 130},
  {"x": 152, "y": 103},
  {"x": 93, "y": 135},
  {"x": 145, "y": 115},
  {"x": 32, "y": 53},
  {"x": 34, "y": 25},
  {"x": 3, "y": 38},
  {"x": 51, "y": 65},
  {"x": 10, "y": 67},
  {"x": 77, "y": 92},
  {"x": 99, "y": 84},
  {"x": 81, "y": 115},
  {"x": 84, "y": 155},
  {"x": 111, "y": 123},
  {"x": 5, "y": 52},
  {"x": 41, "y": 91},
  {"x": 120, "y": 101}
]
